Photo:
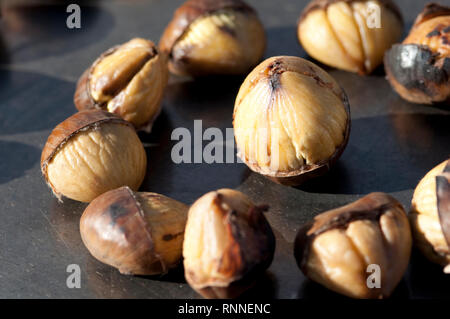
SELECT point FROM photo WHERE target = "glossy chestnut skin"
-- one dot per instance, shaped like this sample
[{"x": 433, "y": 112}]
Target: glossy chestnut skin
[
  {"x": 228, "y": 244},
  {"x": 90, "y": 153},
  {"x": 338, "y": 246},
  {"x": 277, "y": 133},
  {"x": 128, "y": 80},
  {"x": 213, "y": 37},
  {"x": 419, "y": 68},
  {"x": 351, "y": 35},
  {"x": 430, "y": 215},
  {"x": 137, "y": 233}
]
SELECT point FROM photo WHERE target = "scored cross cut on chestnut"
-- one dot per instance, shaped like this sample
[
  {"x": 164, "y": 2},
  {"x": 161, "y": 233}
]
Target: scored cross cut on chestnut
[
  {"x": 350, "y": 34},
  {"x": 128, "y": 80},
  {"x": 338, "y": 246},
  {"x": 210, "y": 37},
  {"x": 90, "y": 153},
  {"x": 291, "y": 120}
]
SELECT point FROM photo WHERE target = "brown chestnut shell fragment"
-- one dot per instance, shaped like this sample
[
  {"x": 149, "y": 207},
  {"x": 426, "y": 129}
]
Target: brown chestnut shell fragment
[
  {"x": 137, "y": 233},
  {"x": 213, "y": 37},
  {"x": 337, "y": 247},
  {"x": 90, "y": 153},
  {"x": 430, "y": 215},
  {"x": 228, "y": 244},
  {"x": 128, "y": 80},
  {"x": 419, "y": 68}
]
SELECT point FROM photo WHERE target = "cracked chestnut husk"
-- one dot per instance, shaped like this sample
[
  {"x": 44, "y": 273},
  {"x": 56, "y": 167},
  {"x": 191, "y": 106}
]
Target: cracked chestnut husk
[
  {"x": 430, "y": 215},
  {"x": 350, "y": 35},
  {"x": 228, "y": 244},
  {"x": 337, "y": 247},
  {"x": 90, "y": 153},
  {"x": 213, "y": 37},
  {"x": 419, "y": 68},
  {"x": 138, "y": 233},
  {"x": 128, "y": 80},
  {"x": 291, "y": 120}
]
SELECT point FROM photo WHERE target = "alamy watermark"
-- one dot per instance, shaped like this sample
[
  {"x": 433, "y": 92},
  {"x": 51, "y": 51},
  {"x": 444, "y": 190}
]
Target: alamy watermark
[
  {"x": 374, "y": 279},
  {"x": 373, "y": 15},
  {"x": 74, "y": 279},
  {"x": 73, "y": 21},
  {"x": 214, "y": 145}
]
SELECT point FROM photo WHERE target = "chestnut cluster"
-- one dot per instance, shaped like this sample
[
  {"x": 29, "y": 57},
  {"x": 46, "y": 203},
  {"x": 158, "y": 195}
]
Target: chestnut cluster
[
  {"x": 97, "y": 150},
  {"x": 224, "y": 239},
  {"x": 430, "y": 215},
  {"x": 95, "y": 156},
  {"x": 291, "y": 121}
]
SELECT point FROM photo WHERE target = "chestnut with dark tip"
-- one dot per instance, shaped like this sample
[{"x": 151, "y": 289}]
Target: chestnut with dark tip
[
  {"x": 291, "y": 120},
  {"x": 419, "y": 68},
  {"x": 213, "y": 37},
  {"x": 228, "y": 244},
  {"x": 338, "y": 246},
  {"x": 430, "y": 215},
  {"x": 138, "y": 233},
  {"x": 128, "y": 80},
  {"x": 90, "y": 153}
]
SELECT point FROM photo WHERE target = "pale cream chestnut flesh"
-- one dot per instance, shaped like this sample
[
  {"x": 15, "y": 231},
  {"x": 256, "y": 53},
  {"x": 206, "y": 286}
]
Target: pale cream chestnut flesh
[
  {"x": 339, "y": 248},
  {"x": 90, "y": 153},
  {"x": 291, "y": 120}
]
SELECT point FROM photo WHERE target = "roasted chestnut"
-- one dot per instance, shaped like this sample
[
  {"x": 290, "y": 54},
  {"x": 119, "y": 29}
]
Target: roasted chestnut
[
  {"x": 430, "y": 215},
  {"x": 210, "y": 37},
  {"x": 350, "y": 34},
  {"x": 228, "y": 244},
  {"x": 137, "y": 233},
  {"x": 341, "y": 248},
  {"x": 419, "y": 68},
  {"x": 128, "y": 80},
  {"x": 90, "y": 153},
  {"x": 291, "y": 120}
]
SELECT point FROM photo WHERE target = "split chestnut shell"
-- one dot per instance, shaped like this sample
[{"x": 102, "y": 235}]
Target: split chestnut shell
[
  {"x": 210, "y": 37},
  {"x": 137, "y": 233},
  {"x": 228, "y": 244},
  {"x": 90, "y": 153},
  {"x": 128, "y": 80},
  {"x": 350, "y": 34},
  {"x": 430, "y": 215},
  {"x": 291, "y": 120},
  {"x": 419, "y": 68},
  {"x": 341, "y": 248}
]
